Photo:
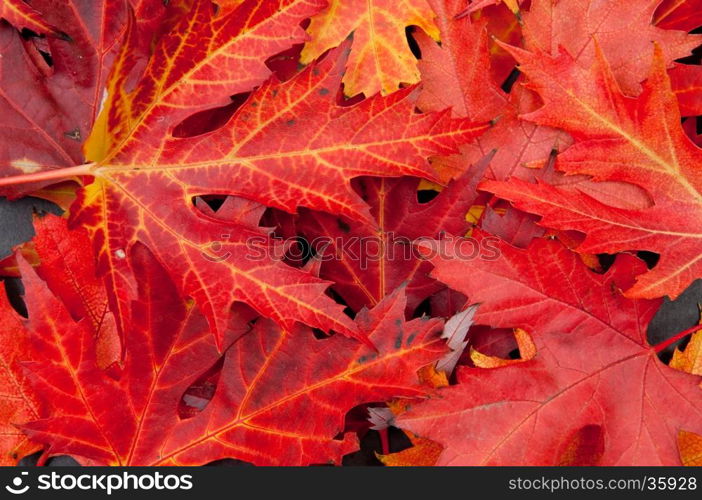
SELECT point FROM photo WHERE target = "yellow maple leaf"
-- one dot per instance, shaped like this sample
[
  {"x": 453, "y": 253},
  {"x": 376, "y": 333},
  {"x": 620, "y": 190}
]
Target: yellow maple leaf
[
  {"x": 381, "y": 58},
  {"x": 689, "y": 360}
]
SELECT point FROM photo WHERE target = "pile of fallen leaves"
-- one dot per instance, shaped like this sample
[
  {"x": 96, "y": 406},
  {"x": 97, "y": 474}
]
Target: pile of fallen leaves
[{"x": 290, "y": 224}]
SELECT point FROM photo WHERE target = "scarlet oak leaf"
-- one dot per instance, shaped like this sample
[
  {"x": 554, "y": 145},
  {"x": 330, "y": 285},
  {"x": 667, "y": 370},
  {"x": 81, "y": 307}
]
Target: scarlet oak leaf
[
  {"x": 592, "y": 364},
  {"x": 577, "y": 26},
  {"x": 367, "y": 262},
  {"x": 381, "y": 59},
  {"x": 17, "y": 401},
  {"x": 266, "y": 373},
  {"x": 637, "y": 141},
  {"x": 318, "y": 148}
]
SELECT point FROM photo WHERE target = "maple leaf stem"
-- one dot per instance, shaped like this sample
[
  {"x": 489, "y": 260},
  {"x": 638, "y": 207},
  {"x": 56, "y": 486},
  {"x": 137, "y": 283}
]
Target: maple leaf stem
[
  {"x": 59, "y": 173},
  {"x": 384, "y": 441},
  {"x": 662, "y": 345}
]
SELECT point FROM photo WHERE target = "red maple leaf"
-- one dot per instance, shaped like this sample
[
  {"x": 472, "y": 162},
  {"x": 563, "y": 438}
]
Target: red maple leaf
[
  {"x": 579, "y": 26},
  {"x": 686, "y": 81},
  {"x": 267, "y": 373},
  {"x": 52, "y": 88},
  {"x": 198, "y": 146},
  {"x": 618, "y": 138},
  {"x": 593, "y": 363},
  {"x": 17, "y": 401},
  {"x": 367, "y": 262}
]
